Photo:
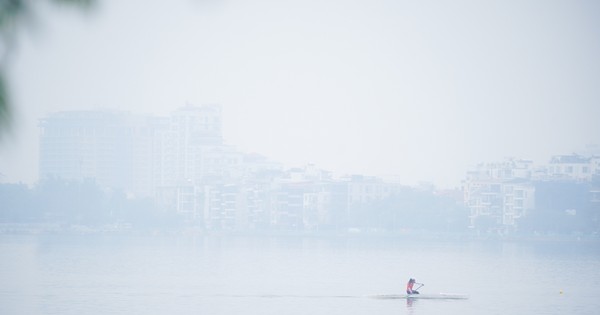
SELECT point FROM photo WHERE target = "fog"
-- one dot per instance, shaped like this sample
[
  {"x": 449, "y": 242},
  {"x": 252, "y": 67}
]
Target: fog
[
  {"x": 417, "y": 92},
  {"x": 300, "y": 157}
]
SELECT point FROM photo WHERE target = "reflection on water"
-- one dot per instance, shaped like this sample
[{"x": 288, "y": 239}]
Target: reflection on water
[
  {"x": 409, "y": 303},
  {"x": 291, "y": 275}
]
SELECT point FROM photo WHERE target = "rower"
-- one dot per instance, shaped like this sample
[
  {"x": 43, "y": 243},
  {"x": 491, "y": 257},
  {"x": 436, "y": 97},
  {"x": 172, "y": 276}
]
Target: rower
[{"x": 409, "y": 287}]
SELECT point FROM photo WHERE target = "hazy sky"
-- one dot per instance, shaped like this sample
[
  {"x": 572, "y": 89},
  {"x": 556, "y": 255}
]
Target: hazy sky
[{"x": 419, "y": 90}]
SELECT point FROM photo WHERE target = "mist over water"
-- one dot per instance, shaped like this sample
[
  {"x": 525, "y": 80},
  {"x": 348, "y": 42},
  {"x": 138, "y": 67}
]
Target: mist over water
[
  {"x": 299, "y": 157},
  {"x": 112, "y": 274}
]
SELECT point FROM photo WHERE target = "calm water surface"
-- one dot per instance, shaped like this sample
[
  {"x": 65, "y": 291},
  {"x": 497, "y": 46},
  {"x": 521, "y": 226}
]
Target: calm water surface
[{"x": 104, "y": 274}]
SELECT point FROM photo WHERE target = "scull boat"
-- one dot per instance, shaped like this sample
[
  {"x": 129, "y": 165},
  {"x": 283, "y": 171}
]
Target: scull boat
[{"x": 439, "y": 296}]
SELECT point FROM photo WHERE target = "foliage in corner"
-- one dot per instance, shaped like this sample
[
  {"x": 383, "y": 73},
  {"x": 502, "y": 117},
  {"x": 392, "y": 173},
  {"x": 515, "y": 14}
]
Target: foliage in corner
[{"x": 12, "y": 13}]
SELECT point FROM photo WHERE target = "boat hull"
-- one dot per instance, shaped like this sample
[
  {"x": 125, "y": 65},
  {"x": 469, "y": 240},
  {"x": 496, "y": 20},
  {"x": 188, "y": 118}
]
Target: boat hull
[{"x": 439, "y": 296}]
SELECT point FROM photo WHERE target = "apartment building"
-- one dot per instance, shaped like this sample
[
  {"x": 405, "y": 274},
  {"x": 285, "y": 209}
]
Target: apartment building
[
  {"x": 498, "y": 194},
  {"x": 573, "y": 167},
  {"x": 134, "y": 153},
  {"x": 99, "y": 145}
]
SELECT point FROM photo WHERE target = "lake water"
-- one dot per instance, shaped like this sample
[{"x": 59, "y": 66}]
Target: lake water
[{"x": 109, "y": 274}]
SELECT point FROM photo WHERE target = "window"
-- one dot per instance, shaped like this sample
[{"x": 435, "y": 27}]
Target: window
[{"x": 519, "y": 194}]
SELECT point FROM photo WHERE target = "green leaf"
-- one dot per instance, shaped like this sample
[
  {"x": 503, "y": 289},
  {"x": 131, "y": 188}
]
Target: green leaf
[{"x": 5, "y": 113}]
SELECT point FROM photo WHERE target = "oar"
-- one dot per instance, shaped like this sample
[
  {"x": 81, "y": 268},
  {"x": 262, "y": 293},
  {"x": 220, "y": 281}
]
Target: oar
[{"x": 420, "y": 285}]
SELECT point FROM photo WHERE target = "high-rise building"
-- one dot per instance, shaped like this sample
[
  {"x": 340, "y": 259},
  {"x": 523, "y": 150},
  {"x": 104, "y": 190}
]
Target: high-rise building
[
  {"x": 77, "y": 145},
  {"x": 140, "y": 155},
  {"x": 181, "y": 140}
]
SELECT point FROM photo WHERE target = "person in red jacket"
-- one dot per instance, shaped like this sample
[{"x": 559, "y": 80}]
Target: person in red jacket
[{"x": 409, "y": 287}]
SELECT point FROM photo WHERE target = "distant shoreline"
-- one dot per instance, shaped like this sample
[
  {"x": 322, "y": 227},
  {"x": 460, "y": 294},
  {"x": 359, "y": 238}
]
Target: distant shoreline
[{"x": 125, "y": 230}]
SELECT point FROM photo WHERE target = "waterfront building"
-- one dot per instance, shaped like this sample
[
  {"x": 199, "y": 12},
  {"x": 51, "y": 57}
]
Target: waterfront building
[
  {"x": 572, "y": 167},
  {"x": 325, "y": 206},
  {"x": 185, "y": 143},
  {"x": 498, "y": 194},
  {"x": 98, "y": 145},
  {"x": 182, "y": 140},
  {"x": 143, "y": 156},
  {"x": 365, "y": 189}
]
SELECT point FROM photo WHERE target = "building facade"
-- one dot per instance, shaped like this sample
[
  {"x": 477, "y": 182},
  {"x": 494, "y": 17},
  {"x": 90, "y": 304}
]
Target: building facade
[
  {"x": 99, "y": 145},
  {"x": 498, "y": 194}
]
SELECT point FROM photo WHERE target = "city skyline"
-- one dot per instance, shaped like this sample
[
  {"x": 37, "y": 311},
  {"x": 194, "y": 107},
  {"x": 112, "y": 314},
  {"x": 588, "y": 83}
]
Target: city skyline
[
  {"x": 187, "y": 145},
  {"x": 143, "y": 119},
  {"x": 179, "y": 164},
  {"x": 394, "y": 89}
]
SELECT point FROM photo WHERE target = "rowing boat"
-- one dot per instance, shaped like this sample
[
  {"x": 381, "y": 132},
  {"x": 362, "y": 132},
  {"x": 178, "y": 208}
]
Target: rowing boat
[{"x": 439, "y": 296}]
